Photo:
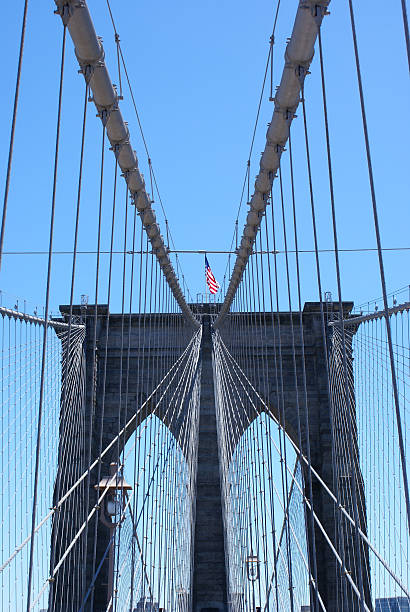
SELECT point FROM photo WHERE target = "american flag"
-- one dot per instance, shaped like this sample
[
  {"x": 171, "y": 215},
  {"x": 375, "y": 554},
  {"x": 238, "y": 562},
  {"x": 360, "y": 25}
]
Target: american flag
[{"x": 210, "y": 278}]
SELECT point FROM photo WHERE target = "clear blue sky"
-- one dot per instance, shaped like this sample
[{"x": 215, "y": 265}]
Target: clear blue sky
[{"x": 197, "y": 69}]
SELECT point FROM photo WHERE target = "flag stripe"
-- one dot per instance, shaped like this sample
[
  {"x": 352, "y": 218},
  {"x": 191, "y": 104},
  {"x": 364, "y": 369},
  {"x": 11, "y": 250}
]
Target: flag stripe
[{"x": 210, "y": 278}]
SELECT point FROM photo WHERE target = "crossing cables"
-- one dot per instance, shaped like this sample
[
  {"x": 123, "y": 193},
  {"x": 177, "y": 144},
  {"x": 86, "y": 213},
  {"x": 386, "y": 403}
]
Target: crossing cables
[
  {"x": 90, "y": 55},
  {"x": 298, "y": 56}
]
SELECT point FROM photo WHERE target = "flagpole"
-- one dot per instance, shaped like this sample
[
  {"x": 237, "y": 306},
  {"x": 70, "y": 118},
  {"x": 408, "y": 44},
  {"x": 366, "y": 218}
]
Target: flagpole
[{"x": 206, "y": 284}]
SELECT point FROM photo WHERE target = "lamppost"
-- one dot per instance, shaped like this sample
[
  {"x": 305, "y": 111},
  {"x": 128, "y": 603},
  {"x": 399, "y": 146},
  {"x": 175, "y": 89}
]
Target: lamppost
[
  {"x": 111, "y": 511},
  {"x": 252, "y": 571}
]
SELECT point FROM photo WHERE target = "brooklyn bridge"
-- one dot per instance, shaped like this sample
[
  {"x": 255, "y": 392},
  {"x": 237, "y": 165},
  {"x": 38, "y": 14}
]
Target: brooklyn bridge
[{"x": 234, "y": 443}]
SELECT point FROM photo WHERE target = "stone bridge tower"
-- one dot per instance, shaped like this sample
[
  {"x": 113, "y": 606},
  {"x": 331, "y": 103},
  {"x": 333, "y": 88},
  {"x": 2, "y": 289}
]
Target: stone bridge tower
[{"x": 209, "y": 579}]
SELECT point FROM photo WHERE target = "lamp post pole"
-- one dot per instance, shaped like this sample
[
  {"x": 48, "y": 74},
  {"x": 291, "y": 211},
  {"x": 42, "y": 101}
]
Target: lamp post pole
[
  {"x": 113, "y": 507},
  {"x": 252, "y": 570}
]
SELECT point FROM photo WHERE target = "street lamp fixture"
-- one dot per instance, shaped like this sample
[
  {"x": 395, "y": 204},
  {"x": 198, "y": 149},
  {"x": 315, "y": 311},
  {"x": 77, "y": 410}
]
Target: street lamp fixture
[
  {"x": 252, "y": 567},
  {"x": 113, "y": 506}
]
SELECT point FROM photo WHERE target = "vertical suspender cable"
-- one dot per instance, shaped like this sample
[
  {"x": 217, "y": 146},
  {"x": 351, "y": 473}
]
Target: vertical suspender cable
[
  {"x": 277, "y": 399},
  {"x": 304, "y": 378},
  {"x": 47, "y": 300},
  {"x": 127, "y": 380},
  {"x": 311, "y": 558},
  {"x": 121, "y": 443},
  {"x": 406, "y": 29},
  {"x": 66, "y": 374},
  {"x": 138, "y": 420},
  {"x": 104, "y": 382},
  {"x": 282, "y": 417},
  {"x": 94, "y": 350},
  {"x": 354, "y": 492},
  {"x": 13, "y": 129},
  {"x": 381, "y": 266},
  {"x": 339, "y": 288}
]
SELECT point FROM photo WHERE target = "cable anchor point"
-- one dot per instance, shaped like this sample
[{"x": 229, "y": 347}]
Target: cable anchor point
[
  {"x": 301, "y": 72},
  {"x": 87, "y": 71},
  {"x": 104, "y": 115},
  {"x": 64, "y": 9},
  {"x": 318, "y": 12}
]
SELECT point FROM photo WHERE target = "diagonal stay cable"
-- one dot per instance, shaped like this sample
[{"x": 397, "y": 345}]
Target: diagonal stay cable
[
  {"x": 46, "y": 315},
  {"x": 13, "y": 129},
  {"x": 318, "y": 477},
  {"x": 151, "y": 169},
  {"x": 282, "y": 503},
  {"x": 84, "y": 526},
  {"x": 381, "y": 263},
  {"x": 255, "y": 126},
  {"x": 61, "y": 501},
  {"x": 172, "y": 442}
]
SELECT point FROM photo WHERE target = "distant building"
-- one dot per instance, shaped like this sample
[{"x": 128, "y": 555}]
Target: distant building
[
  {"x": 147, "y": 604},
  {"x": 392, "y": 604}
]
